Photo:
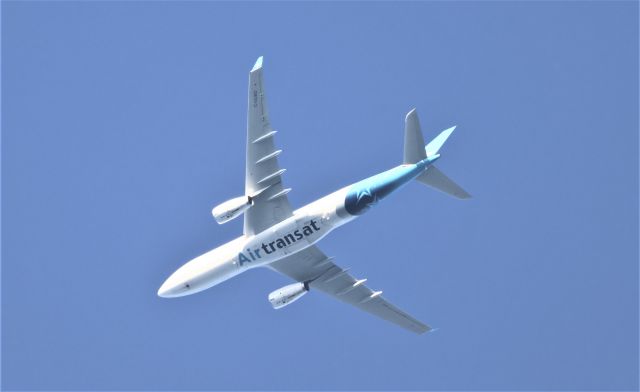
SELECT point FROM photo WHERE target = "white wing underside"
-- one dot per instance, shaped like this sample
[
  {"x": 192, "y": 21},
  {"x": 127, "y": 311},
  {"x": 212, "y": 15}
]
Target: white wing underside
[
  {"x": 311, "y": 265},
  {"x": 263, "y": 174}
]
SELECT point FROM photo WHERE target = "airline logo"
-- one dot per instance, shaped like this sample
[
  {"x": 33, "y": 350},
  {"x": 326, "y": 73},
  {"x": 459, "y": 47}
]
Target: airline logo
[
  {"x": 366, "y": 193},
  {"x": 278, "y": 243}
]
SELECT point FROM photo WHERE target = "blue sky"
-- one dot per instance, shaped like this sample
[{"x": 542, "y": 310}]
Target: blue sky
[{"x": 123, "y": 124}]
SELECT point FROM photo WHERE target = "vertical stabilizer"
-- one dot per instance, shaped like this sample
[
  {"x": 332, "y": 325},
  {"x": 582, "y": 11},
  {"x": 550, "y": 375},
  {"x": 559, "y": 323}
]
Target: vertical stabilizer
[{"x": 414, "y": 150}]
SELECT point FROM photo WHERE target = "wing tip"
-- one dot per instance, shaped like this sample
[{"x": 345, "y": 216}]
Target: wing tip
[
  {"x": 258, "y": 64},
  {"x": 410, "y": 114},
  {"x": 424, "y": 328}
]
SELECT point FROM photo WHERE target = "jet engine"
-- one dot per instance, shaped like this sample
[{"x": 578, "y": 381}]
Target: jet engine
[
  {"x": 287, "y": 294},
  {"x": 230, "y": 209}
]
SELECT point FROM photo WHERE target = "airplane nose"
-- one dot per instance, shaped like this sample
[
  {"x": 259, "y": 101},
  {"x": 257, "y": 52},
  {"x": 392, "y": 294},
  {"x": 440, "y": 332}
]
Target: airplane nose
[
  {"x": 165, "y": 291},
  {"x": 171, "y": 289}
]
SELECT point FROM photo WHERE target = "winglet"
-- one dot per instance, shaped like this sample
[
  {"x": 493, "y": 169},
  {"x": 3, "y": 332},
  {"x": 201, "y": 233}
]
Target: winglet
[
  {"x": 411, "y": 113},
  {"x": 258, "y": 64}
]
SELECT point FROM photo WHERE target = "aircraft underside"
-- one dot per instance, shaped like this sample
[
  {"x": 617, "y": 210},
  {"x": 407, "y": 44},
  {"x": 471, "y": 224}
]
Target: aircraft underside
[{"x": 275, "y": 235}]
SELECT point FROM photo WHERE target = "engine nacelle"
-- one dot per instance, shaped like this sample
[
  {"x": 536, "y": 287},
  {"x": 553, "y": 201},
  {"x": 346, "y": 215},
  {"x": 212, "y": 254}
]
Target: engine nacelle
[
  {"x": 230, "y": 209},
  {"x": 287, "y": 294}
]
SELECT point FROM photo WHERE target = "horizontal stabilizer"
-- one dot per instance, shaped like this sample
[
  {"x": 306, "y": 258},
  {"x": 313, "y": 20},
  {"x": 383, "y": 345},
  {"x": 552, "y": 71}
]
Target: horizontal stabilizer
[
  {"x": 436, "y": 179},
  {"x": 434, "y": 146}
]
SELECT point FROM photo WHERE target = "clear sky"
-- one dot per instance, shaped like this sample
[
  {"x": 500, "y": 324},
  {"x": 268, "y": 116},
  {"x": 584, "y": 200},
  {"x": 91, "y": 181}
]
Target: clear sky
[{"x": 123, "y": 124}]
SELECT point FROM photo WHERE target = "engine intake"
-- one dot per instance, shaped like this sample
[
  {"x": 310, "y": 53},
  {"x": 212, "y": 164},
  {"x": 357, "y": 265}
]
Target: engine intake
[{"x": 287, "y": 294}]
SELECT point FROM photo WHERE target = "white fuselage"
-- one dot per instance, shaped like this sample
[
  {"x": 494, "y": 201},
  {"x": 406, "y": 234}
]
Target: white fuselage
[{"x": 304, "y": 228}]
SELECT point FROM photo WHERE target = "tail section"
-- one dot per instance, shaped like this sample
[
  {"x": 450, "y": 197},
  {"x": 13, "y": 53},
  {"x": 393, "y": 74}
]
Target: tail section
[{"x": 415, "y": 151}]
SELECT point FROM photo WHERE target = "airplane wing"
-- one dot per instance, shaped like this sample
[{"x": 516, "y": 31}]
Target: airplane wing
[
  {"x": 311, "y": 265},
  {"x": 263, "y": 179}
]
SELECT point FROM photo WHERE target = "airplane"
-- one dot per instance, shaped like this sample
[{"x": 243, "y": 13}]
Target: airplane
[{"x": 283, "y": 239}]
